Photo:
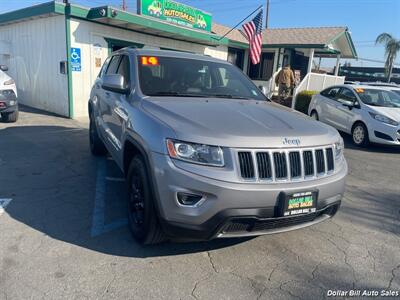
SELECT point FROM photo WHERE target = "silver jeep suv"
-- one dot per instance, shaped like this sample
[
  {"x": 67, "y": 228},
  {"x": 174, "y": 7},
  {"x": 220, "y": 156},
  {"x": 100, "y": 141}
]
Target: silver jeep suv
[{"x": 205, "y": 154}]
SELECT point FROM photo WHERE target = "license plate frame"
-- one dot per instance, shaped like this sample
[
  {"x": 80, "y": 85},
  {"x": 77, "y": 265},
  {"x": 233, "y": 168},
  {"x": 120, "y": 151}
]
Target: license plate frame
[{"x": 298, "y": 203}]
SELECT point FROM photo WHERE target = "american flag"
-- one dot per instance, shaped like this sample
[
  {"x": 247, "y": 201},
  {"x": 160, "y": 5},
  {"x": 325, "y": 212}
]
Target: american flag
[{"x": 253, "y": 33}]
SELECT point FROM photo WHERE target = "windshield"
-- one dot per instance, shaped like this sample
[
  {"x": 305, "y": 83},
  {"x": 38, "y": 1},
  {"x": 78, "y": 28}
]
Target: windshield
[
  {"x": 179, "y": 77},
  {"x": 375, "y": 97},
  {"x": 396, "y": 91}
]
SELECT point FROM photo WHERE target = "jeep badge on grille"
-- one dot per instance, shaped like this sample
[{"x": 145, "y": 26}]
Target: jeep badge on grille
[{"x": 287, "y": 141}]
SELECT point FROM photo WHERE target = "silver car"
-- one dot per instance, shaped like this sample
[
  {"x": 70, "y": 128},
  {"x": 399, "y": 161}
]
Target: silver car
[
  {"x": 205, "y": 154},
  {"x": 368, "y": 113}
]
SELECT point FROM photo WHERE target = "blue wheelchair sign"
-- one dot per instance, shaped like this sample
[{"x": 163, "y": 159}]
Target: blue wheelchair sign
[{"x": 76, "y": 59}]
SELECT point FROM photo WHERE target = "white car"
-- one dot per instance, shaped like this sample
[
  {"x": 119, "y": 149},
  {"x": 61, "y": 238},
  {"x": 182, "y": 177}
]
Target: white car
[
  {"x": 368, "y": 113},
  {"x": 8, "y": 97}
]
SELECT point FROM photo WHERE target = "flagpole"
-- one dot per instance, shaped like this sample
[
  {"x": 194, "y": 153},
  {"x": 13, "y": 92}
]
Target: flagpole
[{"x": 238, "y": 23}]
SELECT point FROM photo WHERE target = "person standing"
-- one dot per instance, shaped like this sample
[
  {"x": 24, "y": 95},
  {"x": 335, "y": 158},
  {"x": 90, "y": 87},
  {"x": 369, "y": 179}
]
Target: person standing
[{"x": 285, "y": 82}]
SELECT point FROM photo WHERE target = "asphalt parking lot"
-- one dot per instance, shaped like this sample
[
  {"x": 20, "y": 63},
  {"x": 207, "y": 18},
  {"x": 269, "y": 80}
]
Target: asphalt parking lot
[{"x": 64, "y": 233}]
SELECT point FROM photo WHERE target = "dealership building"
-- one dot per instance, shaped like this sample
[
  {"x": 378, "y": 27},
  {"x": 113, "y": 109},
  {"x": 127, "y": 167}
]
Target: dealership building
[{"x": 54, "y": 51}]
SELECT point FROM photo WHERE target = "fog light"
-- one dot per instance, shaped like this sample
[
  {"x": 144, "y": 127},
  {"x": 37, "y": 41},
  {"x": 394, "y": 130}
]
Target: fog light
[
  {"x": 12, "y": 102},
  {"x": 189, "y": 199}
]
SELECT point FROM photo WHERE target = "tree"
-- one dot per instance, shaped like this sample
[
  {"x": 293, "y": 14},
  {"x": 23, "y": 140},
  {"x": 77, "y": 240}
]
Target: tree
[{"x": 392, "y": 47}]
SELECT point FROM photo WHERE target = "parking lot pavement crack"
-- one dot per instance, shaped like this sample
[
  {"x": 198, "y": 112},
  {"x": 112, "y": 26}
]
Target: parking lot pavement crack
[
  {"x": 212, "y": 262},
  {"x": 258, "y": 287},
  {"x": 196, "y": 284},
  {"x": 393, "y": 276},
  {"x": 106, "y": 289},
  {"x": 272, "y": 271},
  {"x": 345, "y": 261},
  {"x": 288, "y": 291},
  {"x": 332, "y": 234},
  {"x": 315, "y": 270},
  {"x": 373, "y": 257}
]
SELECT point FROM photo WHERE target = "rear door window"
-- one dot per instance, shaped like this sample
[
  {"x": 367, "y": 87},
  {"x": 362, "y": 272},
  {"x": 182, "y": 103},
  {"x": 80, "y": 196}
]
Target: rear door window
[
  {"x": 104, "y": 67},
  {"x": 124, "y": 68},
  {"x": 331, "y": 93},
  {"x": 113, "y": 65}
]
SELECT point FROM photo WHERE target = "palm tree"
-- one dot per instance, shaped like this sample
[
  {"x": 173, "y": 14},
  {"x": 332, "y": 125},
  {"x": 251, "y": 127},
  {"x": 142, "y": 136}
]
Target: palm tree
[{"x": 392, "y": 46}]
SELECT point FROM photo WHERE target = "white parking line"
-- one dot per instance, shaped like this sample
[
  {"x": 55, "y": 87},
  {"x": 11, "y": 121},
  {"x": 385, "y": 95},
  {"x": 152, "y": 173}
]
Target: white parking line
[{"x": 3, "y": 204}]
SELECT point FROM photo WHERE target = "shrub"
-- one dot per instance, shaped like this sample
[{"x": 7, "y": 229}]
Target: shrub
[{"x": 303, "y": 100}]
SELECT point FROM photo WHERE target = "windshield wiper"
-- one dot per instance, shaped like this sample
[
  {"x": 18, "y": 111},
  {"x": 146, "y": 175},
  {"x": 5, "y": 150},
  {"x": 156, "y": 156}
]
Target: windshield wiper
[
  {"x": 176, "y": 94},
  {"x": 229, "y": 96}
]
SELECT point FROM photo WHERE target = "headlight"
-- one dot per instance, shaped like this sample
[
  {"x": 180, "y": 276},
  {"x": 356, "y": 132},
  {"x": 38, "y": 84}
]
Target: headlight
[
  {"x": 383, "y": 119},
  {"x": 8, "y": 82},
  {"x": 7, "y": 93},
  {"x": 339, "y": 146},
  {"x": 196, "y": 153}
]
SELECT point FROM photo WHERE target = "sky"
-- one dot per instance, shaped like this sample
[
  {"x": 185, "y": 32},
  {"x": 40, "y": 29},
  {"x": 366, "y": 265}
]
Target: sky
[{"x": 366, "y": 19}]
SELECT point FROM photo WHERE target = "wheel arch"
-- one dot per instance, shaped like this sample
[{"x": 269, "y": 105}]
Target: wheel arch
[{"x": 131, "y": 148}]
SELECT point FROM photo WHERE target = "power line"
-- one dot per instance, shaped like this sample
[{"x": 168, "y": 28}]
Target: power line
[{"x": 374, "y": 60}]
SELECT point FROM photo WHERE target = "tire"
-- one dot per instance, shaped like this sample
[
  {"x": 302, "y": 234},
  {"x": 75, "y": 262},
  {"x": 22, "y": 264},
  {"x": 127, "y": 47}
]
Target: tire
[
  {"x": 96, "y": 144},
  {"x": 143, "y": 220},
  {"x": 10, "y": 117},
  {"x": 359, "y": 135},
  {"x": 314, "y": 115}
]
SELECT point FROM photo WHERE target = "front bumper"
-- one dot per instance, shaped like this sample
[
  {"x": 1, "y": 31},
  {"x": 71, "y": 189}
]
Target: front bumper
[
  {"x": 382, "y": 133},
  {"x": 8, "y": 103},
  {"x": 227, "y": 204}
]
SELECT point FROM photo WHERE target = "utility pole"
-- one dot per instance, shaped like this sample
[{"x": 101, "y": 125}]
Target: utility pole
[
  {"x": 124, "y": 5},
  {"x": 267, "y": 15}
]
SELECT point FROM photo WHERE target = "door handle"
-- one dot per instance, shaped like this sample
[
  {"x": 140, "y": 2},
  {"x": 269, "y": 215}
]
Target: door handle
[{"x": 107, "y": 94}]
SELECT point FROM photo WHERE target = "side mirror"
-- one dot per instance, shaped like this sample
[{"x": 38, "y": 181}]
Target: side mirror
[
  {"x": 348, "y": 103},
  {"x": 4, "y": 68},
  {"x": 115, "y": 83}
]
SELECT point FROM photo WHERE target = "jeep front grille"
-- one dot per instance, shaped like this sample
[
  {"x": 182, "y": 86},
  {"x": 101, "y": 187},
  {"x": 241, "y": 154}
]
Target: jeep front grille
[
  {"x": 246, "y": 165},
  {"x": 284, "y": 165}
]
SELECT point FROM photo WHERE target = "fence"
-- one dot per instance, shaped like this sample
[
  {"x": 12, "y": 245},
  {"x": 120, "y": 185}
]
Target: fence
[{"x": 316, "y": 82}]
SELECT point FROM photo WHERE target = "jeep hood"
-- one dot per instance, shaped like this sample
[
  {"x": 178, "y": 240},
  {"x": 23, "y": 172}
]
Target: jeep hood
[{"x": 238, "y": 123}]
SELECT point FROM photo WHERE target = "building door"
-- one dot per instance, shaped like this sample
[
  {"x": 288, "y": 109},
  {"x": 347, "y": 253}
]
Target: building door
[
  {"x": 236, "y": 57},
  {"x": 263, "y": 70},
  {"x": 114, "y": 44},
  {"x": 300, "y": 62}
]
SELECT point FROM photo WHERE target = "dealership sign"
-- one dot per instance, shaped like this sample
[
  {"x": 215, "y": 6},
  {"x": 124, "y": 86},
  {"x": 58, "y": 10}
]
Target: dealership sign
[{"x": 175, "y": 13}]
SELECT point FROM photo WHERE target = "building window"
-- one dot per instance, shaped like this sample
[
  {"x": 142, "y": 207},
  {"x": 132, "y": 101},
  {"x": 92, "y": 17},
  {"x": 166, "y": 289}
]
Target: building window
[
  {"x": 236, "y": 57},
  {"x": 263, "y": 70}
]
